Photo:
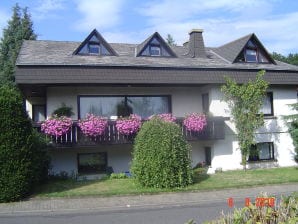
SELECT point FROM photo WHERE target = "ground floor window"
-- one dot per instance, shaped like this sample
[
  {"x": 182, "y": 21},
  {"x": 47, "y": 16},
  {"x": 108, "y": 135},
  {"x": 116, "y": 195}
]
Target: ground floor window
[
  {"x": 89, "y": 163},
  {"x": 262, "y": 151},
  {"x": 121, "y": 106}
]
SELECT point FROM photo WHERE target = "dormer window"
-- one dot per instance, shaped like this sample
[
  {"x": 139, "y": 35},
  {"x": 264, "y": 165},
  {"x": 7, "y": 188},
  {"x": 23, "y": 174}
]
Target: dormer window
[
  {"x": 95, "y": 45},
  {"x": 252, "y": 53},
  {"x": 154, "y": 46}
]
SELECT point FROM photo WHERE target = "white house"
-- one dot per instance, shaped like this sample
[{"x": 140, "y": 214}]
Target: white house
[{"x": 95, "y": 76}]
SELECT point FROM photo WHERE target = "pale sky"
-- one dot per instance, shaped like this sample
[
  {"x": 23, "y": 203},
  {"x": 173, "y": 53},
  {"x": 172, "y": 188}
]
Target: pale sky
[{"x": 275, "y": 22}]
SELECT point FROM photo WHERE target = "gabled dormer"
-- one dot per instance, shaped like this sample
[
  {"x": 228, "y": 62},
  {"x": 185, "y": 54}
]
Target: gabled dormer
[
  {"x": 95, "y": 44},
  {"x": 155, "y": 46},
  {"x": 247, "y": 49}
]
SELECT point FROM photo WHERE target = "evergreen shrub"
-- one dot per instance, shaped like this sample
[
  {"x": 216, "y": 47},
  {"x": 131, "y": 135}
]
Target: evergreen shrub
[
  {"x": 161, "y": 156},
  {"x": 22, "y": 162}
]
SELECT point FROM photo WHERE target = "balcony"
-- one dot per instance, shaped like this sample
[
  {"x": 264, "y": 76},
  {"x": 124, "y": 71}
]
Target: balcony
[{"x": 75, "y": 138}]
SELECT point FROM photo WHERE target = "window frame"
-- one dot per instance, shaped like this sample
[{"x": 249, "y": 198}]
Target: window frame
[
  {"x": 44, "y": 110},
  {"x": 255, "y": 158},
  {"x": 97, "y": 46},
  {"x": 124, "y": 97},
  {"x": 105, "y": 154},
  {"x": 155, "y": 46},
  {"x": 270, "y": 95}
]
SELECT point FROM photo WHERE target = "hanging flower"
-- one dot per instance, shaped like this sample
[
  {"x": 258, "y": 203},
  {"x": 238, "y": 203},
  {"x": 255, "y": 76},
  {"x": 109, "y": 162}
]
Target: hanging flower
[
  {"x": 129, "y": 125},
  {"x": 164, "y": 117},
  {"x": 92, "y": 125},
  {"x": 195, "y": 122},
  {"x": 56, "y": 126}
]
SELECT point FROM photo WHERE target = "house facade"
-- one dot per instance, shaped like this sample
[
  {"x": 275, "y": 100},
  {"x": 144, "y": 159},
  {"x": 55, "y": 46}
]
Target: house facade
[{"x": 112, "y": 79}]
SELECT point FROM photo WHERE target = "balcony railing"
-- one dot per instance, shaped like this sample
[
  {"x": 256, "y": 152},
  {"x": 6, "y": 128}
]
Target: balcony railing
[{"x": 214, "y": 130}]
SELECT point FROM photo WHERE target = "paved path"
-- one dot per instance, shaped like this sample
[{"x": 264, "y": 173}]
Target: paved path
[{"x": 66, "y": 205}]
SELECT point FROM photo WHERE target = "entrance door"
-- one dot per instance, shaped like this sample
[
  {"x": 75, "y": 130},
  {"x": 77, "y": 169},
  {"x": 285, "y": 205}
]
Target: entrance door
[{"x": 208, "y": 156}]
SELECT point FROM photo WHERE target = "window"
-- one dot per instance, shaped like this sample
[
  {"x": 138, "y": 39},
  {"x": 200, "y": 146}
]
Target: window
[
  {"x": 267, "y": 107},
  {"x": 252, "y": 53},
  {"x": 261, "y": 151},
  {"x": 154, "y": 50},
  {"x": 38, "y": 113},
  {"x": 110, "y": 106},
  {"x": 92, "y": 163},
  {"x": 94, "y": 48},
  {"x": 205, "y": 103}
]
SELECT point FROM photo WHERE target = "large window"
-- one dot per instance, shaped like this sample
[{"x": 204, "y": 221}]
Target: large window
[
  {"x": 89, "y": 163},
  {"x": 262, "y": 151},
  {"x": 121, "y": 106},
  {"x": 267, "y": 107}
]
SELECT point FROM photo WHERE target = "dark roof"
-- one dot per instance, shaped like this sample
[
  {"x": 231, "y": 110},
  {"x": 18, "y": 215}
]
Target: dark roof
[{"x": 54, "y": 62}]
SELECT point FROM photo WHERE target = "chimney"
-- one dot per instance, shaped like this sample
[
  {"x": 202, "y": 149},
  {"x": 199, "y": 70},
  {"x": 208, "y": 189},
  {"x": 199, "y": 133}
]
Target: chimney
[{"x": 196, "y": 44}]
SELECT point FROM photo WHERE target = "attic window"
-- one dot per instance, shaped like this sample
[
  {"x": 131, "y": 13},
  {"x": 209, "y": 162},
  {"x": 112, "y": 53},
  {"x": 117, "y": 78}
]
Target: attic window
[
  {"x": 252, "y": 53},
  {"x": 96, "y": 45},
  {"x": 154, "y": 50},
  {"x": 156, "y": 47},
  {"x": 94, "y": 48}
]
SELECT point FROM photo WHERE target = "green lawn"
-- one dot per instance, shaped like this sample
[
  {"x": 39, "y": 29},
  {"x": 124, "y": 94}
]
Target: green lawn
[{"x": 228, "y": 179}]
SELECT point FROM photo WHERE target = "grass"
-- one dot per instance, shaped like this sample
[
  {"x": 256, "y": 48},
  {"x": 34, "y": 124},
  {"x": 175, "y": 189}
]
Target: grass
[{"x": 203, "y": 181}]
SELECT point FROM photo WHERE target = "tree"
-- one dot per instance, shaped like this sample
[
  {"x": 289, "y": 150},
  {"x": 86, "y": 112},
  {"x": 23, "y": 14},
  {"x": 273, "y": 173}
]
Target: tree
[
  {"x": 293, "y": 123},
  {"x": 161, "y": 156},
  {"x": 23, "y": 163},
  {"x": 20, "y": 27},
  {"x": 245, "y": 102},
  {"x": 290, "y": 59},
  {"x": 170, "y": 40}
]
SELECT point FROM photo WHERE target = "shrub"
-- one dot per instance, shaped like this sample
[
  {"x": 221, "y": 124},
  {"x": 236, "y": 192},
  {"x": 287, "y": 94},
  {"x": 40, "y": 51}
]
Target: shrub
[
  {"x": 22, "y": 163},
  {"x": 63, "y": 111},
  {"x": 165, "y": 117},
  {"x": 118, "y": 176},
  {"x": 285, "y": 212},
  {"x": 161, "y": 156}
]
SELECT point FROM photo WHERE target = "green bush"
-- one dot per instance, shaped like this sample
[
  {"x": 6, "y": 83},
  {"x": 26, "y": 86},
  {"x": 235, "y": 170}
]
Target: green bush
[
  {"x": 22, "y": 163},
  {"x": 63, "y": 110},
  {"x": 284, "y": 212},
  {"x": 161, "y": 156},
  {"x": 118, "y": 176}
]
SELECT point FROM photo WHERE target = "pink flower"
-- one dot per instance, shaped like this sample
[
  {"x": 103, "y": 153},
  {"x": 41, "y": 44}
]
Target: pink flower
[
  {"x": 92, "y": 125},
  {"x": 129, "y": 125},
  {"x": 164, "y": 117},
  {"x": 195, "y": 122},
  {"x": 56, "y": 126}
]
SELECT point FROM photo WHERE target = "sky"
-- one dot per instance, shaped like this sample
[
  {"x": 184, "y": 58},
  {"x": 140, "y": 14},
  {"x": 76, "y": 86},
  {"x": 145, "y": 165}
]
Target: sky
[{"x": 275, "y": 22}]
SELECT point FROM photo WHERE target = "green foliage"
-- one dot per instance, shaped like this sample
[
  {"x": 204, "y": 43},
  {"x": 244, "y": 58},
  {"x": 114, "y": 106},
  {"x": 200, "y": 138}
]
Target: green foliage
[
  {"x": 290, "y": 59},
  {"x": 118, "y": 176},
  {"x": 245, "y": 102},
  {"x": 293, "y": 122},
  {"x": 170, "y": 40},
  {"x": 161, "y": 156},
  {"x": 19, "y": 28},
  {"x": 63, "y": 111},
  {"x": 22, "y": 162},
  {"x": 285, "y": 212}
]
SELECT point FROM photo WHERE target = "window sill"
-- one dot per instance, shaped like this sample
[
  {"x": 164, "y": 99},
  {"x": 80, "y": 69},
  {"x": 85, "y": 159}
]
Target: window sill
[
  {"x": 262, "y": 161},
  {"x": 270, "y": 117}
]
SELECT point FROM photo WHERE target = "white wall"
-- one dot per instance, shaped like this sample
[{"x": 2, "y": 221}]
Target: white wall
[
  {"x": 225, "y": 153},
  {"x": 65, "y": 159},
  {"x": 184, "y": 100}
]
